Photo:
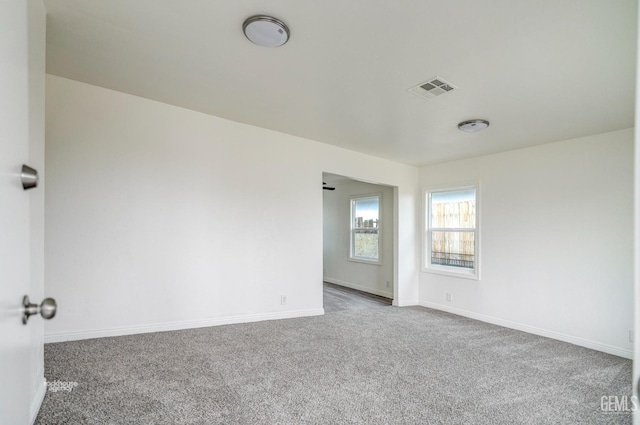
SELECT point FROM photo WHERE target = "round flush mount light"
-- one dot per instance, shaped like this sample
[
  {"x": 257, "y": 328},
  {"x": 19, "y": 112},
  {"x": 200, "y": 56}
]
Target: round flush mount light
[
  {"x": 473, "y": 126},
  {"x": 266, "y": 31}
]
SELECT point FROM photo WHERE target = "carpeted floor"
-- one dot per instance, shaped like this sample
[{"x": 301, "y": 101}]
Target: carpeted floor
[{"x": 382, "y": 365}]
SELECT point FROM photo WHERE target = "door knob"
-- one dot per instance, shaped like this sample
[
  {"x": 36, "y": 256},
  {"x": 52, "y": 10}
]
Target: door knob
[
  {"x": 29, "y": 177},
  {"x": 47, "y": 308}
]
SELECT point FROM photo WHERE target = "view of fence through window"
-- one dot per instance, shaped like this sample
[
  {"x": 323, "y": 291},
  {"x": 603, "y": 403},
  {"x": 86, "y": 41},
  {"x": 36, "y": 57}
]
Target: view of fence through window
[
  {"x": 453, "y": 228},
  {"x": 365, "y": 214}
]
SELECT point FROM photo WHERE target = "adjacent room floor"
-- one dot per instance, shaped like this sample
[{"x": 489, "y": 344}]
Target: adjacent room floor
[
  {"x": 339, "y": 298},
  {"x": 378, "y": 365}
]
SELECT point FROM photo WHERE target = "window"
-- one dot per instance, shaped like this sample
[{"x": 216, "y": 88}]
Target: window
[
  {"x": 365, "y": 229},
  {"x": 451, "y": 237}
]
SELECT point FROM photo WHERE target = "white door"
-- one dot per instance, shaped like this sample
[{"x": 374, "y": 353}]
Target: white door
[
  {"x": 20, "y": 111},
  {"x": 636, "y": 254}
]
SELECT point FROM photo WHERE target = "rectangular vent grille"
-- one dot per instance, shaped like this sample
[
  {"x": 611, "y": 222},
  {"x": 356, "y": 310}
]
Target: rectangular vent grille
[{"x": 433, "y": 87}]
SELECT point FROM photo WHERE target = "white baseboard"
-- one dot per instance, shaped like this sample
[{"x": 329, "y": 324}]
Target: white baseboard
[
  {"x": 37, "y": 400},
  {"x": 362, "y": 288},
  {"x": 404, "y": 303},
  {"x": 594, "y": 345},
  {"x": 174, "y": 326}
]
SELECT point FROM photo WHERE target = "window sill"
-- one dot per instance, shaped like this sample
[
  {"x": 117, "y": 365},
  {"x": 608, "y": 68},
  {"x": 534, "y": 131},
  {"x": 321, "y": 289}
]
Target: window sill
[
  {"x": 470, "y": 275},
  {"x": 363, "y": 261}
]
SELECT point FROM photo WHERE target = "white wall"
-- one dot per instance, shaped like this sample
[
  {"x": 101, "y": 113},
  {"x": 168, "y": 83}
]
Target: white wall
[
  {"x": 338, "y": 268},
  {"x": 158, "y": 217},
  {"x": 556, "y": 241}
]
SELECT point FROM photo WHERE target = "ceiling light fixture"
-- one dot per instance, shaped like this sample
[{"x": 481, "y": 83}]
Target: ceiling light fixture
[
  {"x": 266, "y": 31},
  {"x": 473, "y": 126}
]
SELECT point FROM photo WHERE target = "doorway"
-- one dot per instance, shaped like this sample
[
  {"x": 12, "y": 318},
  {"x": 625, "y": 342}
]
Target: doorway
[{"x": 358, "y": 235}]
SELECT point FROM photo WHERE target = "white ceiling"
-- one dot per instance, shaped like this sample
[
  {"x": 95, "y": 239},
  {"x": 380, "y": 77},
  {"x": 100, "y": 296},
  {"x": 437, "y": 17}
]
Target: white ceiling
[{"x": 539, "y": 70}]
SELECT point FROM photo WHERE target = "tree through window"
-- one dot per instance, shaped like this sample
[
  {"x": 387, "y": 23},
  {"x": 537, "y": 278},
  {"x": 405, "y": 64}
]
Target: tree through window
[{"x": 365, "y": 228}]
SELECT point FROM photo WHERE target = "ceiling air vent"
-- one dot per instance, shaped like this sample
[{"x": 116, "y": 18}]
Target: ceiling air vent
[{"x": 433, "y": 87}]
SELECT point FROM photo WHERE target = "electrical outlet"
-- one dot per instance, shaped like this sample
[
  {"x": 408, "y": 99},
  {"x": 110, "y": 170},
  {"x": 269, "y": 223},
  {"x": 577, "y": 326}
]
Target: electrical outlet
[
  {"x": 449, "y": 298},
  {"x": 630, "y": 335},
  {"x": 283, "y": 299},
  {"x": 388, "y": 283}
]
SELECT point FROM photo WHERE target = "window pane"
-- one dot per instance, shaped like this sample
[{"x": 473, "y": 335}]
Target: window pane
[
  {"x": 453, "y": 209},
  {"x": 365, "y": 243},
  {"x": 365, "y": 213},
  {"x": 456, "y": 249}
]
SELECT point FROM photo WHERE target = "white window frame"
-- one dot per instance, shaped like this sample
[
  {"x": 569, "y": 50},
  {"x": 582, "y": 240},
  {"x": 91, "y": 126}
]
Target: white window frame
[
  {"x": 352, "y": 229},
  {"x": 427, "y": 267}
]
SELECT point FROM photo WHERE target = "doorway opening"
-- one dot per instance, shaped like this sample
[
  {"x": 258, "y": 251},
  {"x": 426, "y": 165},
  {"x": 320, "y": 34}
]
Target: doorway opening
[{"x": 358, "y": 243}]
